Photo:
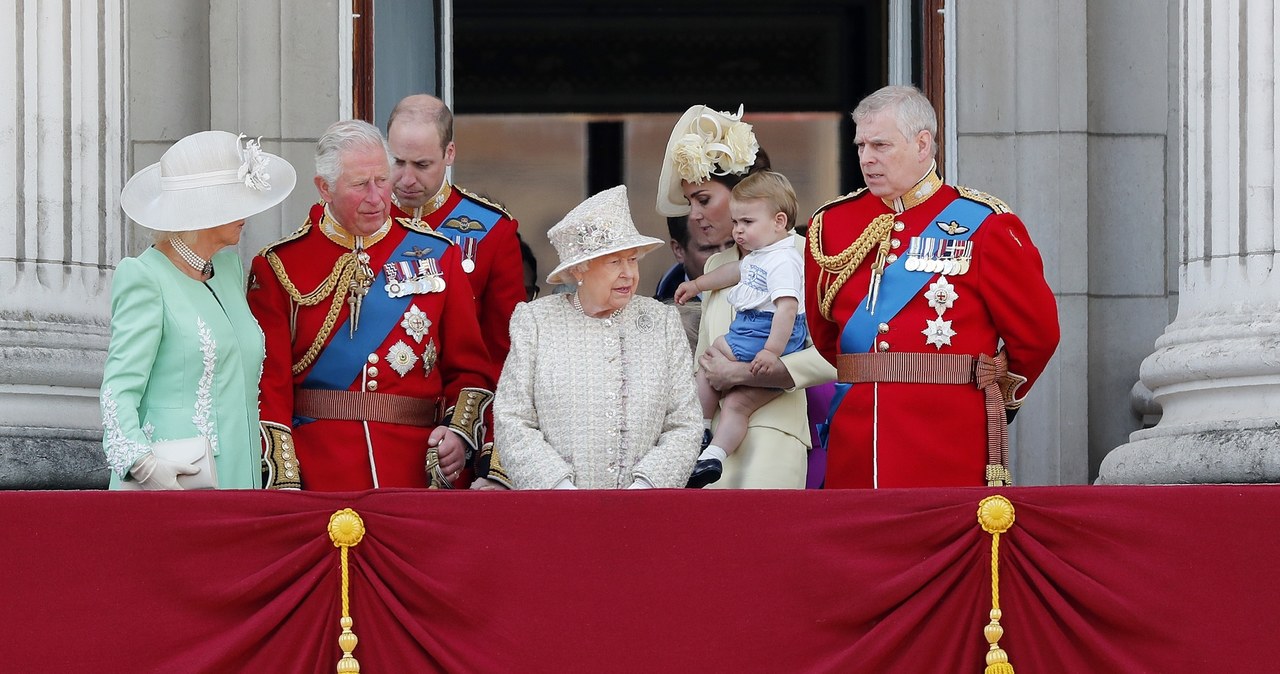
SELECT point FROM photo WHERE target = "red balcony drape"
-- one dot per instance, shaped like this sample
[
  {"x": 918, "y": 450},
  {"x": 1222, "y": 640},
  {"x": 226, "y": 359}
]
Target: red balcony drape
[{"x": 1163, "y": 580}]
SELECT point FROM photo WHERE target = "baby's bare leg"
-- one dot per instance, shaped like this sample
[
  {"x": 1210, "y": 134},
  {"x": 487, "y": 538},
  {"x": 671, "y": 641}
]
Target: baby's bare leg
[{"x": 736, "y": 408}]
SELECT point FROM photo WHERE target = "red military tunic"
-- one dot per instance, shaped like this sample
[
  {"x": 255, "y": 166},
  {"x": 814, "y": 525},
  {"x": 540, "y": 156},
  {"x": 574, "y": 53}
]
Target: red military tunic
[
  {"x": 885, "y": 434},
  {"x": 424, "y": 346},
  {"x": 490, "y": 254}
]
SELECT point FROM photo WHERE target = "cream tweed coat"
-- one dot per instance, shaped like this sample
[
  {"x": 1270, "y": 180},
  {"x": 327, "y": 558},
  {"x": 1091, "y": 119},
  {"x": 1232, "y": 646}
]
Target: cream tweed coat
[{"x": 600, "y": 401}]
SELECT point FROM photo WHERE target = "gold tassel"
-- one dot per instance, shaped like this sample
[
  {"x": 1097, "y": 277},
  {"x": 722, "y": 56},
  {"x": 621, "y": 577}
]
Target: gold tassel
[
  {"x": 346, "y": 529},
  {"x": 995, "y": 516}
]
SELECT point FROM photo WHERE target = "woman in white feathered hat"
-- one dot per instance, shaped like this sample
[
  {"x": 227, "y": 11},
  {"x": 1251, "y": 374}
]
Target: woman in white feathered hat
[
  {"x": 186, "y": 353},
  {"x": 597, "y": 392}
]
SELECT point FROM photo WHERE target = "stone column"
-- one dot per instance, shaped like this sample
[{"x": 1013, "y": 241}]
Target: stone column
[
  {"x": 61, "y": 71},
  {"x": 1216, "y": 368}
]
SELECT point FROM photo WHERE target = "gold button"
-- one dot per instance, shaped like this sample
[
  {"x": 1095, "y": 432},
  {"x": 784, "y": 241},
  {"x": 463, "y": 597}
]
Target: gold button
[
  {"x": 372, "y": 371},
  {"x": 895, "y": 244},
  {"x": 373, "y": 359},
  {"x": 891, "y": 259},
  {"x": 898, "y": 226},
  {"x": 372, "y": 386},
  {"x": 288, "y": 473},
  {"x": 884, "y": 346},
  {"x": 883, "y": 328}
]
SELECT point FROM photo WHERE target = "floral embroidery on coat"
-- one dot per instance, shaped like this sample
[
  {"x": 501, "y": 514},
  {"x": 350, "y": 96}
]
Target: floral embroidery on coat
[
  {"x": 204, "y": 391},
  {"x": 121, "y": 451}
]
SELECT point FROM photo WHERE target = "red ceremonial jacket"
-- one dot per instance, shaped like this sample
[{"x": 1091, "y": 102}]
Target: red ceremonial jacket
[
  {"x": 496, "y": 270},
  {"x": 426, "y": 345},
  {"x": 909, "y": 435}
]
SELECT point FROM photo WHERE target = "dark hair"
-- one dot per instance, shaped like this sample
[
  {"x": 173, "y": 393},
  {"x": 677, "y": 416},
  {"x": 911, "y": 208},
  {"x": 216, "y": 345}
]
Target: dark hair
[
  {"x": 530, "y": 265},
  {"x": 526, "y": 255},
  {"x": 678, "y": 229},
  {"x": 731, "y": 180}
]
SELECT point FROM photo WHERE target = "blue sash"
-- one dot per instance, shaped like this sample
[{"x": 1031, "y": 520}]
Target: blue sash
[
  {"x": 343, "y": 358},
  {"x": 897, "y": 287}
]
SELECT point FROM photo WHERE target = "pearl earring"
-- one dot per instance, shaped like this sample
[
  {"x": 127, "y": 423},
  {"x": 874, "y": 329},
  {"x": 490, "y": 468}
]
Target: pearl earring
[{"x": 579, "y": 281}]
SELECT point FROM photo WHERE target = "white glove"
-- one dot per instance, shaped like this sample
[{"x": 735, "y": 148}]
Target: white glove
[
  {"x": 640, "y": 483},
  {"x": 155, "y": 473},
  {"x": 565, "y": 484}
]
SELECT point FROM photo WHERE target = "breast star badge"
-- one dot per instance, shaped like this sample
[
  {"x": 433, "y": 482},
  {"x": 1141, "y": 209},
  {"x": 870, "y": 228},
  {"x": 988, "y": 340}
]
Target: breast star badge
[
  {"x": 941, "y": 295},
  {"x": 938, "y": 333},
  {"x": 401, "y": 358},
  {"x": 415, "y": 323}
]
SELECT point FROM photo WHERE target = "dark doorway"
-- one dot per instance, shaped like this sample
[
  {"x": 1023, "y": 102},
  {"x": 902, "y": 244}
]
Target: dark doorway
[{"x": 624, "y": 56}]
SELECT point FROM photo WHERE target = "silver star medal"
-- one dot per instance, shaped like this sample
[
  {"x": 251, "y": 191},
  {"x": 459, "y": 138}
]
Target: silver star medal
[
  {"x": 401, "y": 358},
  {"x": 941, "y": 295},
  {"x": 938, "y": 333},
  {"x": 415, "y": 323}
]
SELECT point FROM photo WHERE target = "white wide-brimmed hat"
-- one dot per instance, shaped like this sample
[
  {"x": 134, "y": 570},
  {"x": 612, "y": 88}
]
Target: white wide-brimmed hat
[
  {"x": 599, "y": 226},
  {"x": 207, "y": 179},
  {"x": 704, "y": 142}
]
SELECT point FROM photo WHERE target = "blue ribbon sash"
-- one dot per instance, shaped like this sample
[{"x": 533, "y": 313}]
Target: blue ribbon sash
[
  {"x": 343, "y": 358},
  {"x": 897, "y": 287}
]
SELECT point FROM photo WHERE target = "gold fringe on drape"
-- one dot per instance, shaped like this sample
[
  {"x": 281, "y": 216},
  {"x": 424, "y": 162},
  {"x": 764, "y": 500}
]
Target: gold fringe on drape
[
  {"x": 346, "y": 529},
  {"x": 995, "y": 516}
]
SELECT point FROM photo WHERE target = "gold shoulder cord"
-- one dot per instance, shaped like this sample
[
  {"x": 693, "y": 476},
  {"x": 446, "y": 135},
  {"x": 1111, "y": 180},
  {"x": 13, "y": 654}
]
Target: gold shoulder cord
[
  {"x": 337, "y": 283},
  {"x": 496, "y": 206},
  {"x": 843, "y": 264},
  {"x": 982, "y": 197}
]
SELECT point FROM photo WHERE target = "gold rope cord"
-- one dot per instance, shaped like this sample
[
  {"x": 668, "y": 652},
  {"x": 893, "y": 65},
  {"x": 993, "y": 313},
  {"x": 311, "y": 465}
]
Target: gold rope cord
[
  {"x": 846, "y": 261},
  {"x": 338, "y": 282},
  {"x": 995, "y": 516},
  {"x": 346, "y": 530}
]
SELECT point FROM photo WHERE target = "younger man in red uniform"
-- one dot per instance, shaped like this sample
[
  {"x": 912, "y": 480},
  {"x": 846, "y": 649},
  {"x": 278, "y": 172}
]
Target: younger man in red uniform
[
  {"x": 420, "y": 134},
  {"x": 931, "y": 302},
  {"x": 374, "y": 354}
]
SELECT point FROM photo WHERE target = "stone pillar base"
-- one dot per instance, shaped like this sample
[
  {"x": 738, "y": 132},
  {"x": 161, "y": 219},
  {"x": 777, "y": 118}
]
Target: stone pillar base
[
  {"x": 1242, "y": 455},
  {"x": 37, "y": 458}
]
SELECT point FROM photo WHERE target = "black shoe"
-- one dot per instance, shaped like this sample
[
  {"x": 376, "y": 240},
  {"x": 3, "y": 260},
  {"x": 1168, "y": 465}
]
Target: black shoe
[
  {"x": 706, "y": 439},
  {"x": 705, "y": 471}
]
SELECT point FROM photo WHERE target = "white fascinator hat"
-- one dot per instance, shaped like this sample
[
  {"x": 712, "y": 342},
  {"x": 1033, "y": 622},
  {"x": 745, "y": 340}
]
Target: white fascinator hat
[
  {"x": 599, "y": 226},
  {"x": 207, "y": 179},
  {"x": 704, "y": 142}
]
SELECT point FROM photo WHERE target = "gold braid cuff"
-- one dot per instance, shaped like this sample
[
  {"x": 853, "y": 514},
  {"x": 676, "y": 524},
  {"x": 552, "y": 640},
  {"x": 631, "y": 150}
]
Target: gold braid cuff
[
  {"x": 488, "y": 466},
  {"x": 467, "y": 417},
  {"x": 336, "y": 283},
  {"x": 843, "y": 264},
  {"x": 1009, "y": 385},
  {"x": 280, "y": 457}
]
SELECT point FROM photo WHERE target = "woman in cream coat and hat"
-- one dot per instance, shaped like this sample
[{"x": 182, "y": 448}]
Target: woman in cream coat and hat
[
  {"x": 598, "y": 390},
  {"x": 710, "y": 152},
  {"x": 185, "y": 353}
]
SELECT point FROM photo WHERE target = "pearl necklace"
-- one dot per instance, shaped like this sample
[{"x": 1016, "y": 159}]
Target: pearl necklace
[
  {"x": 205, "y": 267},
  {"x": 577, "y": 304}
]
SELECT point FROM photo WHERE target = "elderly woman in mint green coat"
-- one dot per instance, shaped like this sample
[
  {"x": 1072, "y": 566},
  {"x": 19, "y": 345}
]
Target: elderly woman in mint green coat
[{"x": 186, "y": 353}]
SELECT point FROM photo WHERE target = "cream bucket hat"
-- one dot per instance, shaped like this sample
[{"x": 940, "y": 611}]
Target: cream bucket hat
[{"x": 599, "y": 226}]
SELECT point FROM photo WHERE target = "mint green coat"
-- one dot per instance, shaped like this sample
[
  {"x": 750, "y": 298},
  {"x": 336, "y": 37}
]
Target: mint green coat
[{"x": 185, "y": 360}]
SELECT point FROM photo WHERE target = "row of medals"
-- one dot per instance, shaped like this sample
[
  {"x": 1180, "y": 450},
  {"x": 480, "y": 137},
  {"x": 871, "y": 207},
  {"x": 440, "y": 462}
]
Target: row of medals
[
  {"x": 403, "y": 279},
  {"x": 939, "y": 256}
]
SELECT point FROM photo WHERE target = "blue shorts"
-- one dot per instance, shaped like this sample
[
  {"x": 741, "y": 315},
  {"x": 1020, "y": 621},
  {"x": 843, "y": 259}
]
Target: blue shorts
[{"x": 750, "y": 330}]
